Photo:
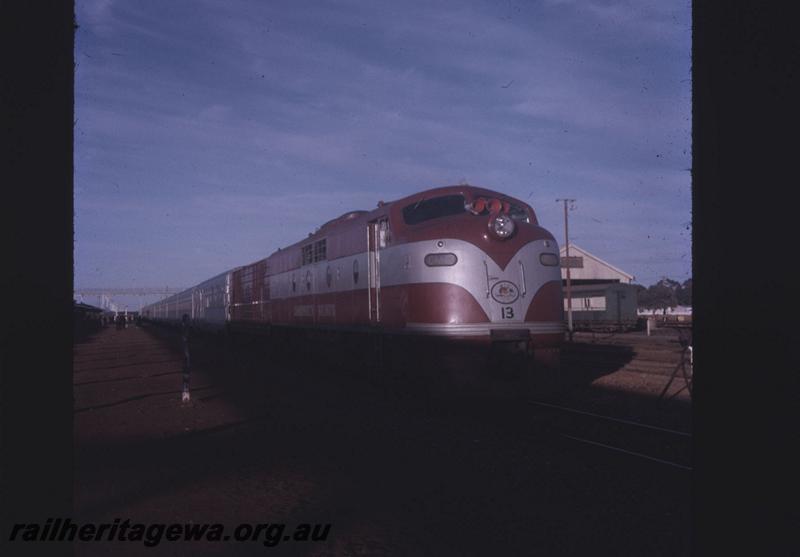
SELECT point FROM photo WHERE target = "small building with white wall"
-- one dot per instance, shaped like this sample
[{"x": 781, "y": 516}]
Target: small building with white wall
[
  {"x": 585, "y": 268},
  {"x": 603, "y": 296}
]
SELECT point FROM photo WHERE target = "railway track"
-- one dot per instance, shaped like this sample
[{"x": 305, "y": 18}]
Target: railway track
[
  {"x": 625, "y": 354},
  {"x": 665, "y": 446},
  {"x": 559, "y": 421}
]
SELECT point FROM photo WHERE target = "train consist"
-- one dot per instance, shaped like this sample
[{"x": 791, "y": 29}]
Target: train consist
[{"x": 458, "y": 263}]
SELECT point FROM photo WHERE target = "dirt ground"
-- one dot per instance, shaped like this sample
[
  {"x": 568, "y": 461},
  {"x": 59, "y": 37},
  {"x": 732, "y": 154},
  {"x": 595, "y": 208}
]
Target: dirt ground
[{"x": 394, "y": 474}]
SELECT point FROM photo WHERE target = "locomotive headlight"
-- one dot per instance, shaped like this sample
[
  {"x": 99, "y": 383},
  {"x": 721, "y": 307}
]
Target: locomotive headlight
[
  {"x": 502, "y": 226},
  {"x": 441, "y": 259},
  {"x": 549, "y": 259}
]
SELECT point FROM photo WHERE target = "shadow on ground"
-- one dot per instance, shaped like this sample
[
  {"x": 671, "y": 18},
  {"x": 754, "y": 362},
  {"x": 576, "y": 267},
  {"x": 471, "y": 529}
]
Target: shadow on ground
[{"x": 395, "y": 466}]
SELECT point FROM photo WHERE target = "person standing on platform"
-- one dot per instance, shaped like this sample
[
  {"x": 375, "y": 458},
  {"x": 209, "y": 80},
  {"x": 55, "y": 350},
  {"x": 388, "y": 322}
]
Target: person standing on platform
[{"x": 185, "y": 329}]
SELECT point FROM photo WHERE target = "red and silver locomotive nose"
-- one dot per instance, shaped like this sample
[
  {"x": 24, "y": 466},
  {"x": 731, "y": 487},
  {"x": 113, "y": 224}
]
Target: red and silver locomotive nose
[{"x": 502, "y": 226}]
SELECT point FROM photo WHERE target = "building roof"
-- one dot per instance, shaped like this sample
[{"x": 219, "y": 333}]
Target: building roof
[
  {"x": 593, "y": 268},
  {"x": 80, "y": 306}
]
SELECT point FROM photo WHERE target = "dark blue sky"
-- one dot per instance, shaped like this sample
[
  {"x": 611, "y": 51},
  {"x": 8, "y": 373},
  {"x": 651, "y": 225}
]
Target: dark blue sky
[{"x": 211, "y": 133}]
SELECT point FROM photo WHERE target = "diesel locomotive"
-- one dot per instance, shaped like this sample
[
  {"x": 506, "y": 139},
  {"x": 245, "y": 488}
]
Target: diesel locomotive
[{"x": 462, "y": 264}]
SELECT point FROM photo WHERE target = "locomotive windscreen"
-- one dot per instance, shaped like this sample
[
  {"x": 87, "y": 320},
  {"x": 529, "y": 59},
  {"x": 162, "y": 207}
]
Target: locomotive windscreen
[
  {"x": 518, "y": 213},
  {"x": 427, "y": 209}
]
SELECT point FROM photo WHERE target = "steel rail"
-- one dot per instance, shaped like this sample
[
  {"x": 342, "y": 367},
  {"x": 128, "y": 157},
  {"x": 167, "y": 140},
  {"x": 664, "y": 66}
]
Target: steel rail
[
  {"x": 640, "y": 455},
  {"x": 610, "y": 418}
]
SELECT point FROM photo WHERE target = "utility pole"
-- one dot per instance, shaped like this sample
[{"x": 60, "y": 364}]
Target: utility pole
[{"x": 569, "y": 281}]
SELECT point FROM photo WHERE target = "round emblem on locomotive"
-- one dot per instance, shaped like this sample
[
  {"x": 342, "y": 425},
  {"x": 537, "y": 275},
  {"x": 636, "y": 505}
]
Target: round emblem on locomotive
[{"x": 505, "y": 292}]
